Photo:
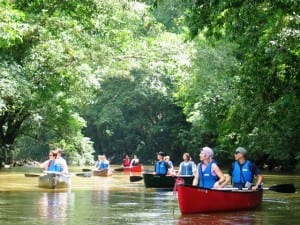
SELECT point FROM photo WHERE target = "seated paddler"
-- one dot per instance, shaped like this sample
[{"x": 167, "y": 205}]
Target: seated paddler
[{"x": 208, "y": 173}]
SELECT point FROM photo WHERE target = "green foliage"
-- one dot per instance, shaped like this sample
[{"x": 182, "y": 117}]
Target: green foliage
[
  {"x": 130, "y": 117},
  {"x": 67, "y": 49},
  {"x": 264, "y": 113},
  {"x": 207, "y": 93}
]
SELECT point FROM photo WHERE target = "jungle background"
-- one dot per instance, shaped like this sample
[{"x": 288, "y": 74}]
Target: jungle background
[{"x": 131, "y": 77}]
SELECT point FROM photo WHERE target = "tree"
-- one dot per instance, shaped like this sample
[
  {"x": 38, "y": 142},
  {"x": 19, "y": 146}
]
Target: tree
[
  {"x": 42, "y": 75},
  {"x": 264, "y": 115}
]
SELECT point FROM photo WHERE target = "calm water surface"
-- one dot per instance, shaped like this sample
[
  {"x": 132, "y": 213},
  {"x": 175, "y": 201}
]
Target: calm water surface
[{"x": 114, "y": 200}]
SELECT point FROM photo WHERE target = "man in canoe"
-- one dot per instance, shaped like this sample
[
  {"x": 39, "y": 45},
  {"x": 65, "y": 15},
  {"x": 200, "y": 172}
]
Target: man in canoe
[
  {"x": 61, "y": 162},
  {"x": 243, "y": 171},
  {"x": 161, "y": 166},
  {"x": 208, "y": 174}
]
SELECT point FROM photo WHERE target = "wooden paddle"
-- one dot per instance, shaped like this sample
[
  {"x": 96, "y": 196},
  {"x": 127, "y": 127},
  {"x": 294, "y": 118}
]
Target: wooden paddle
[
  {"x": 84, "y": 174},
  {"x": 32, "y": 174},
  {"x": 121, "y": 169},
  {"x": 135, "y": 178}
]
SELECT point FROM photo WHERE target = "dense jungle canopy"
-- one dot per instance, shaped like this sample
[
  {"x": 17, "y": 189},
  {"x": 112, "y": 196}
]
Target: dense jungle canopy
[{"x": 138, "y": 77}]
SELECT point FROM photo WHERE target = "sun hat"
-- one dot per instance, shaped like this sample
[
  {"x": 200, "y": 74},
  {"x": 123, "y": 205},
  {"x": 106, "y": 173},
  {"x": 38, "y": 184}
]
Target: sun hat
[{"x": 241, "y": 150}]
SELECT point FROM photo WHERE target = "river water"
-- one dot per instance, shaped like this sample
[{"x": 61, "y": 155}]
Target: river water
[{"x": 115, "y": 200}]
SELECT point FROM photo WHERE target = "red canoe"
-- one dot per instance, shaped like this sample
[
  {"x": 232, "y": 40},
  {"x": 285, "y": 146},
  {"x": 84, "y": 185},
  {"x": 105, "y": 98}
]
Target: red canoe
[
  {"x": 193, "y": 199},
  {"x": 137, "y": 168}
]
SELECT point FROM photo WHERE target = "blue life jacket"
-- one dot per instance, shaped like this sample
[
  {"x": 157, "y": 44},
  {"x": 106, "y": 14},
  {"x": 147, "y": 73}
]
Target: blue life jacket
[
  {"x": 206, "y": 178},
  {"x": 102, "y": 165},
  {"x": 241, "y": 174},
  {"x": 58, "y": 167},
  {"x": 161, "y": 167},
  {"x": 186, "y": 169},
  {"x": 51, "y": 166}
]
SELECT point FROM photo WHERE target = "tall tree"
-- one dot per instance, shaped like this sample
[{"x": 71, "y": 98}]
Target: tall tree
[
  {"x": 41, "y": 70},
  {"x": 265, "y": 112}
]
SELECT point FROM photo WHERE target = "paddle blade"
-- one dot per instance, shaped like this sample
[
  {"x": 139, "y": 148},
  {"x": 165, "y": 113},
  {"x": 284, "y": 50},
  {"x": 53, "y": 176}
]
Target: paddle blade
[
  {"x": 32, "y": 174},
  {"x": 135, "y": 178},
  {"x": 283, "y": 188},
  {"x": 119, "y": 169},
  {"x": 84, "y": 174}
]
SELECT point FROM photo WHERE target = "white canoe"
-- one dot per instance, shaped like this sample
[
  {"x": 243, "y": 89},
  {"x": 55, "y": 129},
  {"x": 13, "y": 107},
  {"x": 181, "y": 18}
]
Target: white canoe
[{"x": 54, "y": 180}]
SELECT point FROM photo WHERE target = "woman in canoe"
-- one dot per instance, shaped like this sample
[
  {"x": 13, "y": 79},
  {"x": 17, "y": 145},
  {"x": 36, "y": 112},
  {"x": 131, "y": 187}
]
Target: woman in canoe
[
  {"x": 208, "y": 174},
  {"x": 171, "y": 166},
  {"x": 50, "y": 164},
  {"x": 243, "y": 171},
  {"x": 135, "y": 161},
  {"x": 187, "y": 167},
  {"x": 126, "y": 161},
  {"x": 102, "y": 163}
]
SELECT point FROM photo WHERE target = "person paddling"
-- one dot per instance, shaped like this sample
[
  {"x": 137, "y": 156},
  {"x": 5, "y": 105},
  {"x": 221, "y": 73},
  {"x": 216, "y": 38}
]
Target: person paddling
[
  {"x": 208, "y": 174},
  {"x": 49, "y": 165},
  {"x": 243, "y": 171}
]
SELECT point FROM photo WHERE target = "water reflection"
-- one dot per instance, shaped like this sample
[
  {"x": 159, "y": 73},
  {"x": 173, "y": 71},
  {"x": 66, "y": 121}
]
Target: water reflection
[
  {"x": 236, "y": 218},
  {"x": 116, "y": 200},
  {"x": 54, "y": 206}
]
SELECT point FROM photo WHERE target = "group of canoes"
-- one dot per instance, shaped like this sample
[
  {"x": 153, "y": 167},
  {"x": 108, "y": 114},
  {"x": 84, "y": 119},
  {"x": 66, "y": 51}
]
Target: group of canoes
[{"x": 201, "y": 188}]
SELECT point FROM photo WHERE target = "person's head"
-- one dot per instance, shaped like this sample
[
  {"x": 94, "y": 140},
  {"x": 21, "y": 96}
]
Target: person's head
[
  {"x": 59, "y": 152},
  {"x": 206, "y": 154},
  {"x": 167, "y": 158},
  {"x": 240, "y": 153},
  {"x": 186, "y": 156},
  {"x": 160, "y": 155},
  {"x": 52, "y": 154}
]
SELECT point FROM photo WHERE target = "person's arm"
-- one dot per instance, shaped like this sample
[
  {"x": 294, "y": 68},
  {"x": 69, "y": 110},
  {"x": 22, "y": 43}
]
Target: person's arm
[
  {"x": 43, "y": 165},
  {"x": 220, "y": 175},
  {"x": 194, "y": 168},
  {"x": 259, "y": 176},
  {"x": 64, "y": 166},
  {"x": 227, "y": 178},
  {"x": 179, "y": 169},
  {"x": 196, "y": 177}
]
